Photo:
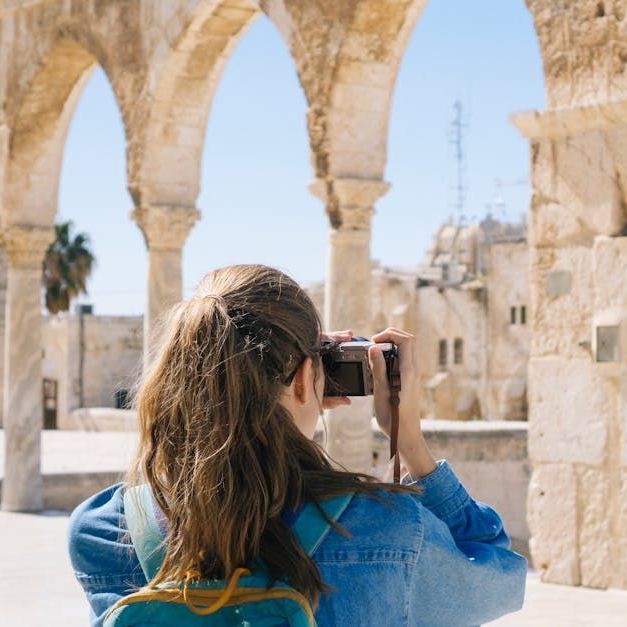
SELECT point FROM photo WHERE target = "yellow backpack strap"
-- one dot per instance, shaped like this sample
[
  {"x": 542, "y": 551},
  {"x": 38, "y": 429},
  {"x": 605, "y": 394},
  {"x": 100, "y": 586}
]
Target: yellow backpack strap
[{"x": 143, "y": 528}]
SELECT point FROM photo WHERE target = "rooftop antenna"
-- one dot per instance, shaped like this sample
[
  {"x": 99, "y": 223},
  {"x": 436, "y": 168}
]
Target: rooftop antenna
[
  {"x": 457, "y": 131},
  {"x": 499, "y": 202}
]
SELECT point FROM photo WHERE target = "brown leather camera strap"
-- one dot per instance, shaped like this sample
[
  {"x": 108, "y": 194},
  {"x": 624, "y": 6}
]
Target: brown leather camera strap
[{"x": 395, "y": 388}]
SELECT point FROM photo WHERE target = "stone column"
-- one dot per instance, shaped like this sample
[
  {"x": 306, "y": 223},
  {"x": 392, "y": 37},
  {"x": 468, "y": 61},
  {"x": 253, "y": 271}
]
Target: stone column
[
  {"x": 347, "y": 302},
  {"x": 23, "y": 414},
  {"x": 165, "y": 229}
]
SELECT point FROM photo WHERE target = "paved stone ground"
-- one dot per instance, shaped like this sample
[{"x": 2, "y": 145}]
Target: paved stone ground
[
  {"x": 37, "y": 586},
  {"x": 82, "y": 451}
]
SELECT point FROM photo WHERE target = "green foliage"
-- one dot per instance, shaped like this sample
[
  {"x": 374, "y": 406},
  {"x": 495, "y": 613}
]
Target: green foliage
[{"x": 68, "y": 263}]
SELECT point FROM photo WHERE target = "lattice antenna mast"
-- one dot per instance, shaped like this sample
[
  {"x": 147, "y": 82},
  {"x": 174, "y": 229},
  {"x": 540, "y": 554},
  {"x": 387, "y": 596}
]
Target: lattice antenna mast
[{"x": 457, "y": 132}]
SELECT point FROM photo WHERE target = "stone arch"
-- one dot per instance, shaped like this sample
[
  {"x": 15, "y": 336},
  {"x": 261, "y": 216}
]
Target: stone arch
[
  {"x": 38, "y": 120},
  {"x": 186, "y": 76},
  {"x": 363, "y": 86},
  {"x": 347, "y": 55}
]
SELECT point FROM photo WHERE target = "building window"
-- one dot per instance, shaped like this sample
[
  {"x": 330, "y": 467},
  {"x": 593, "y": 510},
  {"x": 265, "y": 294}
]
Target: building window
[
  {"x": 458, "y": 350},
  {"x": 445, "y": 272},
  {"x": 523, "y": 315},
  {"x": 512, "y": 315},
  {"x": 442, "y": 356}
]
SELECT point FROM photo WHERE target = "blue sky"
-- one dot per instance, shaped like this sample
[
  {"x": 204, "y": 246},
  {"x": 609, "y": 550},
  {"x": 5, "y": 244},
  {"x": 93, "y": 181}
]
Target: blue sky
[{"x": 255, "y": 172}]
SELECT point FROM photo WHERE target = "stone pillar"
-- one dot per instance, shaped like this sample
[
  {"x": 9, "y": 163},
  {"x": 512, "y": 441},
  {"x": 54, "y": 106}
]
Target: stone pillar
[
  {"x": 577, "y": 370},
  {"x": 165, "y": 229},
  {"x": 347, "y": 302},
  {"x": 23, "y": 414}
]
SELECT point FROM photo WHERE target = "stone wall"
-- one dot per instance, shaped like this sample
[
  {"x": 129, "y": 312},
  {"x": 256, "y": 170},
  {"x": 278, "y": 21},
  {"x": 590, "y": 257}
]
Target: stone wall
[
  {"x": 111, "y": 360},
  {"x": 578, "y": 261},
  {"x": 508, "y": 333},
  {"x": 451, "y": 390}
]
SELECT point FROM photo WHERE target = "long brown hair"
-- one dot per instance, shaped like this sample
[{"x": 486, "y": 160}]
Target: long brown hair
[{"x": 222, "y": 456}]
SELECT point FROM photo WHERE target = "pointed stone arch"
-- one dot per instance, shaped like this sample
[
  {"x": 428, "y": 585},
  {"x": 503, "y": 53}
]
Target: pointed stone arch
[
  {"x": 38, "y": 118},
  {"x": 185, "y": 76}
]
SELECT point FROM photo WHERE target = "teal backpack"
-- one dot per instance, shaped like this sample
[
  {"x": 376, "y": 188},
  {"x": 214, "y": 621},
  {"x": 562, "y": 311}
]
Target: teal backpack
[{"x": 246, "y": 599}]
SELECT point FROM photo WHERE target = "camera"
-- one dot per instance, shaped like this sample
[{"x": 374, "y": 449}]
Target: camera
[{"x": 347, "y": 368}]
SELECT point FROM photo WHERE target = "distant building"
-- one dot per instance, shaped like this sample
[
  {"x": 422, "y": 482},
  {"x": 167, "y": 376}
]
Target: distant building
[
  {"x": 89, "y": 361},
  {"x": 468, "y": 305}
]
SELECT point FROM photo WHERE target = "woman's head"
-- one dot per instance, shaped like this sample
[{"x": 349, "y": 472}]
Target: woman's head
[{"x": 226, "y": 413}]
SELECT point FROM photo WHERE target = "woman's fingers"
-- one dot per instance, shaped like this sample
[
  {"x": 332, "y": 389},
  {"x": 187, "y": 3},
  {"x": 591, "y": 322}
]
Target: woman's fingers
[
  {"x": 377, "y": 366},
  {"x": 397, "y": 336},
  {"x": 403, "y": 340},
  {"x": 331, "y": 402},
  {"x": 338, "y": 336}
]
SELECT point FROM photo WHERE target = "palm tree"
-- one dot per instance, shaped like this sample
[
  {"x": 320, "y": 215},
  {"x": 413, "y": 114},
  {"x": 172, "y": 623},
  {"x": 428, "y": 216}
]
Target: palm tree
[{"x": 67, "y": 266}]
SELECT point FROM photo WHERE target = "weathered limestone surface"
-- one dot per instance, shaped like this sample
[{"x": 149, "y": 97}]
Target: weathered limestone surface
[
  {"x": 595, "y": 533},
  {"x": 506, "y": 345},
  {"x": 552, "y": 517},
  {"x": 111, "y": 361},
  {"x": 347, "y": 306},
  {"x": 165, "y": 229},
  {"x": 567, "y": 390},
  {"x": 578, "y": 263},
  {"x": 25, "y": 246}
]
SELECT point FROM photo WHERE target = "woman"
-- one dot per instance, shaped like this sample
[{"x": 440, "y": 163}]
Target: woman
[{"x": 227, "y": 414}]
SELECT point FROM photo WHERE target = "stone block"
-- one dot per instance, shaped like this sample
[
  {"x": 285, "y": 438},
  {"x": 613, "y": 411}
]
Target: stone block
[
  {"x": 585, "y": 181},
  {"x": 364, "y": 73},
  {"x": 578, "y": 173},
  {"x": 552, "y": 224},
  {"x": 349, "y": 163},
  {"x": 610, "y": 269},
  {"x": 357, "y": 130},
  {"x": 561, "y": 285},
  {"x": 363, "y": 46},
  {"x": 570, "y": 407},
  {"x": 595, "y": 532},
  {"x": 552, "y": 518},
  {"x": 619, "y": 572},
  {"x": 622, "y": 404},
  {"x": 352, "y": 97}
]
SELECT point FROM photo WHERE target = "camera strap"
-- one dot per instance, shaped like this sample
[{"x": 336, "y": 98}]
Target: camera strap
[{"x": 394, "y": 379}]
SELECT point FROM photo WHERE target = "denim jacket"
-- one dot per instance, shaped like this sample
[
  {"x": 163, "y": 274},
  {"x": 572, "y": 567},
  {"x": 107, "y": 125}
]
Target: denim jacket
[{"x": 437, "y": 558}]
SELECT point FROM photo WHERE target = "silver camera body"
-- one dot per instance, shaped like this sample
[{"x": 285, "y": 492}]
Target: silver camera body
[{"x": 347, "y": 368}]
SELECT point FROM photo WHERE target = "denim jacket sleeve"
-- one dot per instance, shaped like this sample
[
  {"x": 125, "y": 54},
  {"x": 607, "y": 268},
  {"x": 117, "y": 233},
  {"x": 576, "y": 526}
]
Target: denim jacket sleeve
[
  {"x": 103, "y": 559},
  {"x": 464, "y": 566}
]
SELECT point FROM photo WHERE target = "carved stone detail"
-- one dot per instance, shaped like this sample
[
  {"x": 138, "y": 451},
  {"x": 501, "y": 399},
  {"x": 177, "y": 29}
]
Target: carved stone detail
[
  {"x": 26, "y": 244},
  {"x": 165, "y": 227},
  {"x": 553, "y": 124},
  {"x": 349, "y": 201}
]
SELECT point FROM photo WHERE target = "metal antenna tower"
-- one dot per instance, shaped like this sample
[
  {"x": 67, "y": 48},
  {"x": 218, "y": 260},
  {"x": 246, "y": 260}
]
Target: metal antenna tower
[{"x": 456, "y": 138}]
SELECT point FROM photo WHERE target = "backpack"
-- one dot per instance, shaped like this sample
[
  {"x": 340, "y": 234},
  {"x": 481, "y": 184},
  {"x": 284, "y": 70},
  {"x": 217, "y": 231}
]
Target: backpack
[{"x": 246, "y": 599}]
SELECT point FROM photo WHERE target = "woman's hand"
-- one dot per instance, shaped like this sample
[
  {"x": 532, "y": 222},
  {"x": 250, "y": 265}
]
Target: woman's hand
[
  {"x": 411, "y": 444},
  {"x": 331, "y": 402}
]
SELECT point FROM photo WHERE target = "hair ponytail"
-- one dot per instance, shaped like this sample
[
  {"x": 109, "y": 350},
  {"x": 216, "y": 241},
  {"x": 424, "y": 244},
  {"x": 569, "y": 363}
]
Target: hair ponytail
[{"x": 223, "y": 457}]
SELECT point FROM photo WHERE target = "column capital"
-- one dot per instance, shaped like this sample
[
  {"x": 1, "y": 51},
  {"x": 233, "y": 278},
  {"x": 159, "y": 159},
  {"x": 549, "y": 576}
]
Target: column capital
[
  {"x": 26, "y": 244},
  {"x": 165, "y": 227},
  {"x": 349, "y": 200}
]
